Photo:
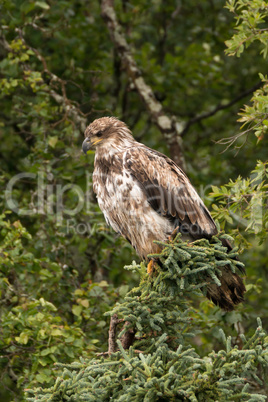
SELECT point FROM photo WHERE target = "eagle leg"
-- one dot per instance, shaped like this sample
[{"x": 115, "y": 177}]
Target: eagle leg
[
  {"x": 173, "y": 234},
  {"x": 150, "y": 267}
]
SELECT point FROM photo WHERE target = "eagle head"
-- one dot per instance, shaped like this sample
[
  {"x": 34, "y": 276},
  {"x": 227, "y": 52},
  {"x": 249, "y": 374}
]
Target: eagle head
[{"x": 105, "y": 131}]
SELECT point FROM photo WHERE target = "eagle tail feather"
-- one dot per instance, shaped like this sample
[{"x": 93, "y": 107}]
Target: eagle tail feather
[{"x": 230, "y": 293}]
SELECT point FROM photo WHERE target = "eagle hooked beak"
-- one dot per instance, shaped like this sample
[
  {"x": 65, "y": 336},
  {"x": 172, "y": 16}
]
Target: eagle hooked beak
[{"x": 86, "y": 145}]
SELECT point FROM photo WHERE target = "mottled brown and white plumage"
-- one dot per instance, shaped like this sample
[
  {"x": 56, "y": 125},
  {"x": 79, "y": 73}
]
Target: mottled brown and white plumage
[{"x": 144, "y": 196}]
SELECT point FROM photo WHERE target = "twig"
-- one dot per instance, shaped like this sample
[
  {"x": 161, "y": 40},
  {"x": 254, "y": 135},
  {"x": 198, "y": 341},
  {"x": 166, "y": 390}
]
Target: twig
[
  {"x": 229, "y": 141},
  {"x": 102, "y": 354},
  {"x": 107, "y": 353}
]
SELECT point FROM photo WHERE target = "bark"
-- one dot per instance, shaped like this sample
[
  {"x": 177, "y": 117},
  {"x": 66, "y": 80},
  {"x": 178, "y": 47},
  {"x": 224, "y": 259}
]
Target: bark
[
  {"x": 129, "y": 336},
  {"x": 127, "y": 339},
  {"x": 112, "y": 346}
]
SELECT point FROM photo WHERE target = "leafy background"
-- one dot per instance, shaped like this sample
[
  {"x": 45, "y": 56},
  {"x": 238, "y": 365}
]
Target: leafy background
[{"x": 59, "y": 71}]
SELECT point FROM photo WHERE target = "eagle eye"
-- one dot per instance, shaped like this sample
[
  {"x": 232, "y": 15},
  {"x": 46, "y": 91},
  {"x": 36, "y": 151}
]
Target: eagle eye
[{"x": 99, "y": 133}]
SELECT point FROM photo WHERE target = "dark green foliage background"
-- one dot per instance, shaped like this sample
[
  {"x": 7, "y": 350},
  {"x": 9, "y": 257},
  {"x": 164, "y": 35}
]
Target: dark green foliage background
[{"x": 56, "y": 283}]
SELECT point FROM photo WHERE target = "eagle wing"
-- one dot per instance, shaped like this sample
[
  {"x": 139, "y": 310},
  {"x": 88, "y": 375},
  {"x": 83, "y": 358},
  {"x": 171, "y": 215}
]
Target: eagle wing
[{"x": 169, "y": 191}]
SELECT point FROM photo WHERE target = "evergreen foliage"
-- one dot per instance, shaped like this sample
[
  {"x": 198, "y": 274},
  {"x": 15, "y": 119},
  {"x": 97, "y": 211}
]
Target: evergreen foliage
[{"x": 162, "y": 365}]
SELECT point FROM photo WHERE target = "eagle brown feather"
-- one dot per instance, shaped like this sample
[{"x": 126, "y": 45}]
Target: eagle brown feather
[{"x": 144, "y": 196}]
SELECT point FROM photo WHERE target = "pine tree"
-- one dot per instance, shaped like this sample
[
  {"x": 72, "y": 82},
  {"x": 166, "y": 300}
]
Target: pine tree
[{"x": 150, "y": 357}]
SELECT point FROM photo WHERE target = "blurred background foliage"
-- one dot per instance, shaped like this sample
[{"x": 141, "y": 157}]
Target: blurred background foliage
[{"x": 60, "y": 271}]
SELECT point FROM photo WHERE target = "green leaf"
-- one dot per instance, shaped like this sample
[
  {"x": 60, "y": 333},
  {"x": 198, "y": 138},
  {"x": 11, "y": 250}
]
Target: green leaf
[
  {"x": 23, "y": 338},
  {"x": 42, "y": 4},
  {"x": 56, "y": 332},
  {"x": 52, "y": 141},
  {"x": 77, "y": 310},
  {"x": 42, "y": 378}
]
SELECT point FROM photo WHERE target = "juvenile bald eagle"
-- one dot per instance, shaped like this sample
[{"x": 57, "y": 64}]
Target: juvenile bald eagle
[{"x": 144, "y": 196}]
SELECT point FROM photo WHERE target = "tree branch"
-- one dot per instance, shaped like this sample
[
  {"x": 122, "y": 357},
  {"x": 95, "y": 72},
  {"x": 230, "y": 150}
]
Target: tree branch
[
  {"x": 220, "y": 107},
  {"x": 170, "y": 127},
  {"x": 127, "y": 339}
]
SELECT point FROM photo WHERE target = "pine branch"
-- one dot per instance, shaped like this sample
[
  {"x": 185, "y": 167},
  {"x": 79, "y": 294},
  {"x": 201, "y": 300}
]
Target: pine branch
[{"x": 161, "y": 364}]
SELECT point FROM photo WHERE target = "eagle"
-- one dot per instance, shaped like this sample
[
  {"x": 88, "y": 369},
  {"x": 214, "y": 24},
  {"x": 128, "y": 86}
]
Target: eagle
[{"x": 145, "y": 196}]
